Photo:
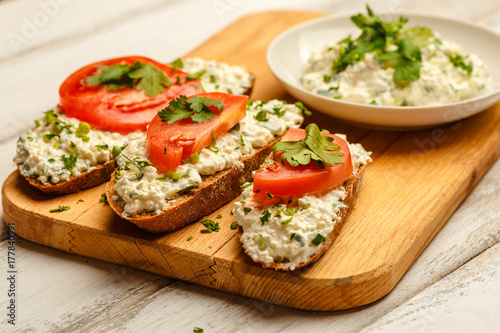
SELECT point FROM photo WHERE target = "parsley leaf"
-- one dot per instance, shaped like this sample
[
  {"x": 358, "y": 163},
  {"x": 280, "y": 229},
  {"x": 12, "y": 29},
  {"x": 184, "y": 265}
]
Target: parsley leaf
[
  {"x": 234, "y": 225},
  {"x": 195, "y": 108},
  {"x": 118, "y": 76},
  {"x": 177, "y": 63},
  {"x": 70, "y": 162},
  {"x": 265, "y": 216},
  {"x": 152, "y": 80},
  {"x": 196, "y": 76},
  {"x": 315, "y": 146},
  {"x": 406, "y": 62},
  {"x": 139, "y": 165},
  {"x": 103, "y": 198}
]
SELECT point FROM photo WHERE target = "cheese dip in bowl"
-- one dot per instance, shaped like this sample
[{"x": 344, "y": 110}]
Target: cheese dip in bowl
[{"x": 400, "y": 72}]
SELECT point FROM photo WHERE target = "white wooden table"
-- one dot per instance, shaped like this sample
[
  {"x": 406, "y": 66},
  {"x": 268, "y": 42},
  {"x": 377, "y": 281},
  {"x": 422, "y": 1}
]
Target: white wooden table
[{"x": 454, "y": 286}]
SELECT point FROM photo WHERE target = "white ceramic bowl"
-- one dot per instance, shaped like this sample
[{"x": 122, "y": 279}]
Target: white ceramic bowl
[{"x": 288, "y": 54}]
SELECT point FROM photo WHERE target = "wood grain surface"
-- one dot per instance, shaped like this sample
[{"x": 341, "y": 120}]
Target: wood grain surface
[{"x": 416, "y": 182}]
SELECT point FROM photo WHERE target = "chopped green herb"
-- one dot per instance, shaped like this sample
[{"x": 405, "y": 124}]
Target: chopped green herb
[
  {"x": 262, "y": 243},
  {"x": 303, "y": 108},
  {"x": 49, "y": 137},
  {"x": 50, "y": 117},
  {"x": 318, "y": 240},
  {"x": 298, "y": 238},
  {"x": 186, "y": 189},
  {"x": 72, "y": 144},
  {"x": 247, "y": 210},
  {"x": 269, "y": 195},
  {"x": 101, "y": 147},
  {"x": 236, "y": 127},
  {"x": 242, "y": 141},
  {"x": 246, "y": 185},
  {"x": 196, "y": 76},
  {"x": 219, "y": 216},
  {"x": 103, "y": 198},
  {"x": 177, "y": 63},
  {"x": 162, "y": 179},
  {"x": 210, "y": 226},
  {"x": 189, "y": 238},
  {"x": 117, "y": 150},
  {"x": 82, "y": 130},
  {"x": 261, "y": 116},
  {"x": 176, "y": 176},
  {"x": 139, "y": 164},
  {"x": 59, "y": 209},
  {"x": 195, "y": 108},
  {"x": 212, "y": 147},
  {"x": 79, "y": 200},
  {"x": 212, "y": 79},
  {"x": 70, "y": 162},
  {"x": 234, "y": 225},
  {"x": 192, "y": 159},
  {"x": 278, "y": 110},
  {"x": 51, "y": 160},
  {"x": 285, "y": 222},
  {"x": 197, "y": 330},
  {"x": 265, "y": 216},
  {"x": 37, "y": 123},
  {"x": 459, "y": 61},
  {"x": 314, "y": 147},
  {"x": 373, "y": 102}
]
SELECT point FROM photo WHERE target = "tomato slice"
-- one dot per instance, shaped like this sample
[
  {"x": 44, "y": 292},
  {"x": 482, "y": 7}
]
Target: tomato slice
[
  {"x": 282, "y": 179},
  {"x": 124, "y": 110},
  {"x": 169, "y": 144}
]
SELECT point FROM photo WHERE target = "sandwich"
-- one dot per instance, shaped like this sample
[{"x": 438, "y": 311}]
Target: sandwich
[
  {"x": 105, "y": 105},
  {"x": 289, "y": 216}
]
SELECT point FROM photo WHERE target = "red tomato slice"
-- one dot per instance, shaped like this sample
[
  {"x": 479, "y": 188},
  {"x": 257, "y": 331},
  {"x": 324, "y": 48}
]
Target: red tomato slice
[
  {"x": 169, "y": 144},
  {"x": 282, "y": 179},
  {"x": 123, "y": 110}
]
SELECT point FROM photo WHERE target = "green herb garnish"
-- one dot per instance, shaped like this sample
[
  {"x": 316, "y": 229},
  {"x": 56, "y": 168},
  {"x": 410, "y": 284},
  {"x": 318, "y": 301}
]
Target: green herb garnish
[
  {"x": 261, "y": 116},
  {"x": 186, "y": 189},
  {"x": 139, "y": 164},
  {"x": 144, "y": 76},
  {"x": 117, "y": 150},
  {"x": 195, "y": 108},
  {"x": 101, "y": 147},
  {"x": 247, "y": 210},
  {"x": 459, "y": 61},
  {"x": 70, "y": 162},
  {"x": 196, "y": 76},
  {"x": 177, "y": 63},
  {"x": 234, "y": 225},
  {"x": 265, "y": 216},
  {"x": 246, "y": 185},
  {"x": 82, "y": 130},
  {"x": 60, "y": 209},
  {"x": 103, "y": 198},
  {"x": 318, "y": 240},
  {"x": 210, "y": 226},
  {"x": 315, "y": 146}
]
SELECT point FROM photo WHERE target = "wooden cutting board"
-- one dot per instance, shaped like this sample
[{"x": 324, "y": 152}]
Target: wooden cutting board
[{"x": 416, "y": 182}]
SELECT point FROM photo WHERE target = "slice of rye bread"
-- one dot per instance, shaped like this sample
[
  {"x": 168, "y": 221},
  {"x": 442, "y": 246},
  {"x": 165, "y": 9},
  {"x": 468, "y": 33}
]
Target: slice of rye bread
[
  {"x": 352, "y": 186},
  {"x": 99, "y": 175},
  {"x": 215, "y": 191}
]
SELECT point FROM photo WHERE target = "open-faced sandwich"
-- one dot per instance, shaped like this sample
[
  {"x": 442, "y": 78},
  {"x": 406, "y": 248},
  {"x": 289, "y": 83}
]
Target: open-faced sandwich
[
  {"x": 300, "y": 198},
  {"x": 198, "y": 152},
  {"x": 105, "y": 105}
]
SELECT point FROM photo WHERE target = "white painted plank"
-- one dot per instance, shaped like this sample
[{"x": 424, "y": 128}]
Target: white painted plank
[
  {"x": 28, "y": 24},
  {"x": 54, "y": 288},
  {"x": 467, "y": 300}
]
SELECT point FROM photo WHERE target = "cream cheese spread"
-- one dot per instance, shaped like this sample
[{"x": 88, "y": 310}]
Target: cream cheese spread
[
  {"x": 149, "y": 190},
  {"x": 219, "y": 76},
  {"x": 370, "y": 82},
  {"x": 60, "y": 148},
  {"x": 293, "y": 233}
]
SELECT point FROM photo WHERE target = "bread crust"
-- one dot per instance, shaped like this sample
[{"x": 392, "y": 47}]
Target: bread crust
[
  {"x": 99, "y": 175},
  {"x": 352, "y": 186},
  {"x": 215, "y": 191}
]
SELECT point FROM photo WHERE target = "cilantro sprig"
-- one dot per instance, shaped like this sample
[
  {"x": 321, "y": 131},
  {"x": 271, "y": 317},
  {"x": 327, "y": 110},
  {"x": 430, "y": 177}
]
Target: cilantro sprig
[
  {"x": 459, "y": 61},
  {"x": 142, "y": 76},
  {"x": 315, "y": 147},
  {"x": 196, "y": 108}
]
